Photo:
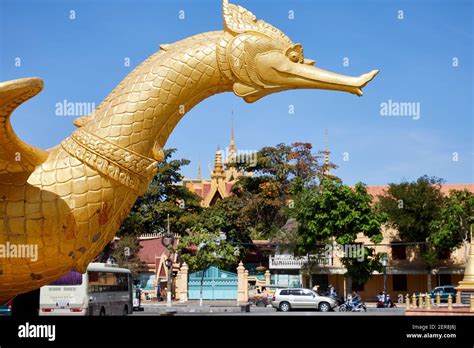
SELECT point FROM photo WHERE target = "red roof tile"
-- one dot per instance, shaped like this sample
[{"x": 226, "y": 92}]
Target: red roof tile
[
  {"x": 151, "y": 248},
  {"x": 205, "y": 190},
  {"x": 376, "y": 191},
  {"x": 228, "y": 188}
]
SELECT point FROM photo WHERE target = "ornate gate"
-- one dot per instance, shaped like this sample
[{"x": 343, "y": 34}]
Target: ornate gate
[{"x": 217, "y": 285}]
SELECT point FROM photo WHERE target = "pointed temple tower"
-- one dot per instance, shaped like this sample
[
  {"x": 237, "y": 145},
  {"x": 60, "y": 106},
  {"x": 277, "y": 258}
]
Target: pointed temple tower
[
  {"x": 231, "y": 171},
  {"x": 223, "y": 176},
  {"x": 327, "y": 168}
]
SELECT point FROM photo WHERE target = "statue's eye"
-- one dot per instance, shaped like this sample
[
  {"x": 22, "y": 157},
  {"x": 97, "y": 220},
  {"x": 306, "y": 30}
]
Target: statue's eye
[{"x": 295, "y": 57}]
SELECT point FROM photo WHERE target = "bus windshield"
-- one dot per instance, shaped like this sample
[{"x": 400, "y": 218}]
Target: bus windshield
[{"x": 72, "y": 278}]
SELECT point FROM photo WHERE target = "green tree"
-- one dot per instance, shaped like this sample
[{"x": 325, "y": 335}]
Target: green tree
[
  {"x": 125, "y": 253},
  {"x": 451, "y": 229},
  {"x": 164, "y": 196},
  {"x": 333, "y": 212},
  {"x": 280, "y": 172},
  {"x": 229, "y": 216},
  {"x": 413, "y": 208}
]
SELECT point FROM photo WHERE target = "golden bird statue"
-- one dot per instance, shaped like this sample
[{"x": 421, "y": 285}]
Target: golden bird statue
[{"x": 70, "y": 200}]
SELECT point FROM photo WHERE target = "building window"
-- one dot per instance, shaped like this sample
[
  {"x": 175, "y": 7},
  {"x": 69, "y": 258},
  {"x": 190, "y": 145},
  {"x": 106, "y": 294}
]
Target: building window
[
  {"x": 322, "y": 280},
  {"x": 399, "y": 251},
  {"x": 444, "y": 279},
  {"x": 399, "y": 282}
]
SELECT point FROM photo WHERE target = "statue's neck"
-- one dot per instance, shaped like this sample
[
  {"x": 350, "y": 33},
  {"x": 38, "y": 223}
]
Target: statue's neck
[{"x": 147, "y": 105}]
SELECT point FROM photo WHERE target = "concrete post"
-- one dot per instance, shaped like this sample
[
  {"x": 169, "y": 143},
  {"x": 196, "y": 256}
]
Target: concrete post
[
  {"x": 246, "y": 286},
  {"x": 450, "y": 302},
  {"x": 240, "y": 283},
  {"x": 413, "y": 301},
  {"x": 267, "y": 277},
  {"x": 438, "y": 299},
  {"x": 183, "y": 296},
  {"x": 177, "y": 286},
  {"x": 428, "y": 301},
  {"x": 458, "y": 297}
]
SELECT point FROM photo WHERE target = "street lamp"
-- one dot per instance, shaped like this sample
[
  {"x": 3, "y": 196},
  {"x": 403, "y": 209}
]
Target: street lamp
[
  {"x": 166, "y": 241},
  {"x": 384, "y": 264}
]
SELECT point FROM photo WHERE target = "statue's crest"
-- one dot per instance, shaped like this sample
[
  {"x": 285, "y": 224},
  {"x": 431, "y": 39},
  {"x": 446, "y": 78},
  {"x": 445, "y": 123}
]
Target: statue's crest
[{"x": 238, "y": 20}]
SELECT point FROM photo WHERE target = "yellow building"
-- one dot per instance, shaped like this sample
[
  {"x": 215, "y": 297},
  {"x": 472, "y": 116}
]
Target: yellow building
[{"x": 406, "y": 272}]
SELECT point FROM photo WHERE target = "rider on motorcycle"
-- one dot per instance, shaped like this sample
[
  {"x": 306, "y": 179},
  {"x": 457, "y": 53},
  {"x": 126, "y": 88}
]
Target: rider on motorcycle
[
  {"x": 381, "y": 297},
  {"x": 355, "y": 298}
]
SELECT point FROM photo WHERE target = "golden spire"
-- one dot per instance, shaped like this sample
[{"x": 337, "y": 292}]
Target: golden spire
[
  {"x": 232, "y": 153},
  {"x": 232, "y": 141},
  {"x": 327, "y": 169},
  {"x": 218, "y": 170},
  {"x": 199, "y": 171}
]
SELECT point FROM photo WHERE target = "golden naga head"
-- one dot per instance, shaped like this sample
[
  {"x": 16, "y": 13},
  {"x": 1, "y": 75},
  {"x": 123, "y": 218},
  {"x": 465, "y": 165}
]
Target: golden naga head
[{"x": 261, "y": 60}]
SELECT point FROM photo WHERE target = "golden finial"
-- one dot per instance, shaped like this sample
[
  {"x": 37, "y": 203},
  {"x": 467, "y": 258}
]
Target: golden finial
[
  {"x": 218, "y": 170},
  {"x": 232, "y": 140},
  {"x": 327, "y": 169}
]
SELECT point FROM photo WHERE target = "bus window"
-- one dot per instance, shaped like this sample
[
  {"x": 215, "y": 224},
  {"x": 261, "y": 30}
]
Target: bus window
[
  {"x": 108, "y": 281},
  {"x": 72, "y": 278}
]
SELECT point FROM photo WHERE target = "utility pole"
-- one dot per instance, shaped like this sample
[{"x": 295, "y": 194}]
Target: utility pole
[
  {"x": 170, "y": 267},
  {"x": 385, "y": 264}
]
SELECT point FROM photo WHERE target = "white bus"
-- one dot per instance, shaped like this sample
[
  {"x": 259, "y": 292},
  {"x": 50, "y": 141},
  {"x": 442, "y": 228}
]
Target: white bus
[{"x": 105, "y": 289}]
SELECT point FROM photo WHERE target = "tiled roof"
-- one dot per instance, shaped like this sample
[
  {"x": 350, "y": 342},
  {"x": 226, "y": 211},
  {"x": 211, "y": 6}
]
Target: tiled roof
[
  {"x": 151, "y": 248},
  {"x": 376, "y": 191},
  {"x": 228, "y": 188},
  {"x": 205, "y": 190},
  {"x": 448, "y": 187}
]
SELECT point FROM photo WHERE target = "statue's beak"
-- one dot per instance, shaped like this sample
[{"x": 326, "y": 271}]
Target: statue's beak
[{"x": 281, "y": 71}]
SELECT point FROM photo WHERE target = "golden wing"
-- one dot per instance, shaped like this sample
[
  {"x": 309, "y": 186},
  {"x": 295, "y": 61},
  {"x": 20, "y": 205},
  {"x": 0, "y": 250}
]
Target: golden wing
[{"x": 15, "y": 155}]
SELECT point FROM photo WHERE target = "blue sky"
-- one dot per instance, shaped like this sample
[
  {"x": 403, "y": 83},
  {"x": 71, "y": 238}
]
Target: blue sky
[{"x": 82, "y": 60}]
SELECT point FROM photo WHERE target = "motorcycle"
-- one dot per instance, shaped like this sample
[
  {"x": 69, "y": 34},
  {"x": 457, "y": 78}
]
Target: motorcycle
[
  {"x": 339, "y": 300},
  {"x": 383, "y": 302},
  {"x": 349, "y": 307}
]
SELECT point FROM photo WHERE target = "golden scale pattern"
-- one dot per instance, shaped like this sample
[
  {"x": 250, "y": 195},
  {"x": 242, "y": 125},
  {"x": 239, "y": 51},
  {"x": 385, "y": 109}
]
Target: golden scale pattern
[{"x": 71, "y": 209}]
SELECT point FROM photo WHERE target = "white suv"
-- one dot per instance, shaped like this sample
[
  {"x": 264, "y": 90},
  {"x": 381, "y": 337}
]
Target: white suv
[{"x": 294, "y": 298}]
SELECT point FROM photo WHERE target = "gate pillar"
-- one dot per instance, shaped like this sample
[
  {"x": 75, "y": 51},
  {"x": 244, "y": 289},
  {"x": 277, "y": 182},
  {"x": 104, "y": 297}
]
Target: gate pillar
[
  {"x": 241, "y": 283},
  {"x": 183, "y": 287},
  {"x": 246, "y": 286},
  {"x": 267, "y": 277}
]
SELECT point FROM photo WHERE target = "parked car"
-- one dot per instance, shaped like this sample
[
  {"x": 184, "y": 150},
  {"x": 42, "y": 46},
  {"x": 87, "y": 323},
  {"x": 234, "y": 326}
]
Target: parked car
[
  {"x": 6, "y": 309},
  {"x": 294, "y": 298},
  {"x": 444, "y": 292}
]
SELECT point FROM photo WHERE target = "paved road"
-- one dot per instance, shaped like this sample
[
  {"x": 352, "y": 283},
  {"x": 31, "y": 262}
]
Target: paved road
[{"x": 272, "y": 312}]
